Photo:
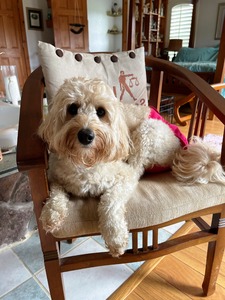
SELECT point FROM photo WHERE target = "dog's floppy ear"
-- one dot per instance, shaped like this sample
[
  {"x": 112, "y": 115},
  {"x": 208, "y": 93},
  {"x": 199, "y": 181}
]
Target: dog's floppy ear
[
  {"x": 48, "y": 127},
  {"x": 45, "y": 130},
  {"x": 121, "y": 130}
]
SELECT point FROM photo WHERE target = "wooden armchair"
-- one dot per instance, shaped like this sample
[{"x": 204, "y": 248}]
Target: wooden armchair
[{"x": 174, "y": 204}]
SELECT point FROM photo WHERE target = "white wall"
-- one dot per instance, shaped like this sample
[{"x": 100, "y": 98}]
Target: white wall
[
  {"x": 99, "y": 23},
  {"x": 33, "y": 36},
  {"x": 206, "y": 23}
]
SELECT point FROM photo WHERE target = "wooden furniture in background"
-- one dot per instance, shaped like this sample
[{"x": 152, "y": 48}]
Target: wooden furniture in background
[
  {"x": 174, "y": 86},
  {"x": 191, "y": 98},
  {"x": 66, "y": 18},
  {"x": 150, "y": 25}
]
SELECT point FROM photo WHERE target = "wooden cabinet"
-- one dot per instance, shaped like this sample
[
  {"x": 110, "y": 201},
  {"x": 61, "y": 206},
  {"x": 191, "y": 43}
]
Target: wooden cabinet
[
  {"x": 70, "y": 24},
  {"x": 150, "y": 25},
  {"x": 13, "y": 42}
]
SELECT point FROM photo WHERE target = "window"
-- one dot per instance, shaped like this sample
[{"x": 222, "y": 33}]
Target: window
[{"x": 180, "y": 24}]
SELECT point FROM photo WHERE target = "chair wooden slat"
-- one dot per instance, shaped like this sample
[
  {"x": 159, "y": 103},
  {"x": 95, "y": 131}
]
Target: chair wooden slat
[
  {"x": 145, "y": 240},
  {"x": 155, "y": 237},
  {"x": 135, "y": 242}
]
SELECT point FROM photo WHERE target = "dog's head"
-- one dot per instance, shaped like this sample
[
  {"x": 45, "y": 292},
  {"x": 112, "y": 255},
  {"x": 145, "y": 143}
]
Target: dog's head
[{"x": 86, "y": 123}]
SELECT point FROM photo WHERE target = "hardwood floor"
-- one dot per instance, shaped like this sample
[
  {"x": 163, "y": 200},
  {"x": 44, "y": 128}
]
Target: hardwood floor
[
  {"x": 213, "y": 127},
  {"x": 178, "y": 275}
]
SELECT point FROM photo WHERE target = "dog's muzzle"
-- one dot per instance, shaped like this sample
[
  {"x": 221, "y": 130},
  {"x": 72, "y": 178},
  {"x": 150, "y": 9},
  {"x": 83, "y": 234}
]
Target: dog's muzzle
[{"x": 86, "y": 136}]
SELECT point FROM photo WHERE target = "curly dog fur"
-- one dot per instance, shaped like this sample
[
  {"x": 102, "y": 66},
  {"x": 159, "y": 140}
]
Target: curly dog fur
[{"x": 100, "y": 147}]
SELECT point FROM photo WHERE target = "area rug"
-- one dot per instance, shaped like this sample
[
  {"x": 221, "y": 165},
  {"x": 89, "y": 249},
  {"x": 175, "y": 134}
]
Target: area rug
[
  {"x": 214, "y": 140},
  {"x": 16, "y": 209}
]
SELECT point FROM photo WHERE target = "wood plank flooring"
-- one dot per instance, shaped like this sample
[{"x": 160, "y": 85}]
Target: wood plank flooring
[
  {"x": 180, "y": 275},
  {"x": 213, "y": 127}
]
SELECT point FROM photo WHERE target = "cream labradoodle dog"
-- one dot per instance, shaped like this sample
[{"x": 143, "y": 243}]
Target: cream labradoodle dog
[{"x": 100, "y": 147}]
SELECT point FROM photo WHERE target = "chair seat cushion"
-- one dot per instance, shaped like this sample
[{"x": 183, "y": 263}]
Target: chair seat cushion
[{"x": 158, "y": 198}]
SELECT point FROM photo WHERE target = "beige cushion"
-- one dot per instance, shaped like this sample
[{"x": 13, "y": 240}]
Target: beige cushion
[
  {"x": 123, "y": 71},
  {"x": 157, "y": 199}
]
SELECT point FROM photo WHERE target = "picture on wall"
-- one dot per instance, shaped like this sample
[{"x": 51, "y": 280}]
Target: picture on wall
[
  {"x": 34, "y": 19},
  {"x": 220, "y": 19}
]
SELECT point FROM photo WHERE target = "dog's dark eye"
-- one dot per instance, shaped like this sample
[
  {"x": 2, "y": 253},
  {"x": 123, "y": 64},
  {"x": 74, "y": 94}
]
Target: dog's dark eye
[
  {"x": 100, "y": 112},
  {"x": 72, "y": 109}
]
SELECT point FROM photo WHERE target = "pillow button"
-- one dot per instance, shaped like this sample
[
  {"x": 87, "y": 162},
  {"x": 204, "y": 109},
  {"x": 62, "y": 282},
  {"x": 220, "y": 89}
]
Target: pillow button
[
  {"x": 59, "y": 52},
  {"x": 132, "y": 55},
  {"x": 97, "y": 59},
  {"x": 114, "y": 58},
  {"x": 78, "y": 57}
]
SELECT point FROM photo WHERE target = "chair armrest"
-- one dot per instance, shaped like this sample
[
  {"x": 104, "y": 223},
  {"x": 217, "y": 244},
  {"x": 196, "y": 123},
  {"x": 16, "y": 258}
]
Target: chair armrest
[
  {"x": 218, "y": 86},
  {"x": 31, "y": 151},
  {"x": 212, "y": 99}
]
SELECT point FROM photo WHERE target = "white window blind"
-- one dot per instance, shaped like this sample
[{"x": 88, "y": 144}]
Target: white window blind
[{"x": 180, "y": 25}]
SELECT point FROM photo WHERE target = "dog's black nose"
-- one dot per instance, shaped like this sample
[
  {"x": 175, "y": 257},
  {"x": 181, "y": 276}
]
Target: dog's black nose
[{"x": 86, "y": 136}]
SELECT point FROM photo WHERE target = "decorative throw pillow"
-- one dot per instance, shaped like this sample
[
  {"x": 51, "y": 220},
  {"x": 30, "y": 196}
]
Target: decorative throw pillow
[{"x": 123, "y": 71}]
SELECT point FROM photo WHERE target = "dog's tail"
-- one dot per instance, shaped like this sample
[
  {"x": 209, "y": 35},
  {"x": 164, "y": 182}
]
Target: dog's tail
[{"x": 198, "y": 162}]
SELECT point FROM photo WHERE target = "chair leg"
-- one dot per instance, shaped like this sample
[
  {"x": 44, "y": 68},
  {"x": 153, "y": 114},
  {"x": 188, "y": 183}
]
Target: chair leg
[
  {"x": 54, "y": 277},
  {"x": 178, "y": 104},
  {"x": 213, "y": 262}
]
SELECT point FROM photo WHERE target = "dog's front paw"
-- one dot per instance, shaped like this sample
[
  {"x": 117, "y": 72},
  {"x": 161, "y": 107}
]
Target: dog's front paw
[
  {"x": 117, "y": 250},
  {"x": 53, "y": 215},
  {"x": 55, "y": 210},
  {"x": 117, "y": 244},
  {"x": 51, "y": 219}
]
